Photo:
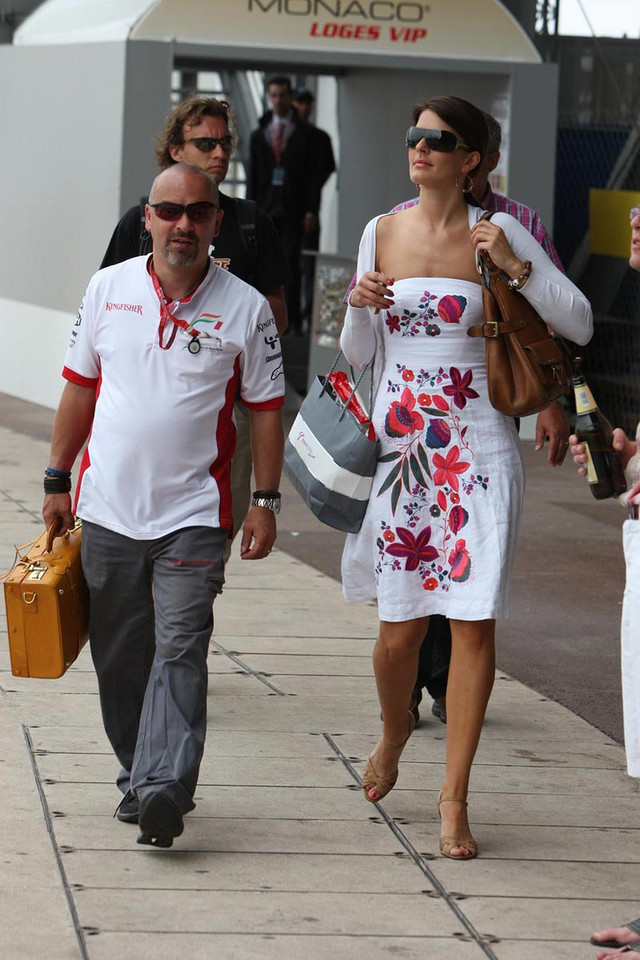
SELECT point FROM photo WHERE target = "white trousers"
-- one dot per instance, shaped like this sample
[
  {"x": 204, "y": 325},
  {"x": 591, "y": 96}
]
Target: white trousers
[{"x": 630, "y": 646}]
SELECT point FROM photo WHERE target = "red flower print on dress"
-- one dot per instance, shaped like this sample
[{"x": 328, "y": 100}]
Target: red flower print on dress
[
  {"x": 393, "y": 323},
  {"x": 448, "y": 468},
  {"x": 451, "y": 308},
  {"x": 430, "y": 584},
  {"x": 401, "y": 419},
  {"x": 458, "y": 518},
  {"x": 414, "y": 550},
  {"x": 407, "y": 376},
  {"x": 460, "y": 562},
  {"x": 459, "y": 388}
]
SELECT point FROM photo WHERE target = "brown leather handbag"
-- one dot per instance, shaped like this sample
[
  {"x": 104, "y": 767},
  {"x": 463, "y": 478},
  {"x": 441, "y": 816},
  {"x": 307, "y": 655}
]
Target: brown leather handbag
[
  {"x": 47, "y": 605},
  {"x": 527, "y": 367}
]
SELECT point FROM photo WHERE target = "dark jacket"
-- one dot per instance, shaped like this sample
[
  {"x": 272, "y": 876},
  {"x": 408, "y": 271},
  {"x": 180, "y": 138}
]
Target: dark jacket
[{"x": 302, "y": 183}]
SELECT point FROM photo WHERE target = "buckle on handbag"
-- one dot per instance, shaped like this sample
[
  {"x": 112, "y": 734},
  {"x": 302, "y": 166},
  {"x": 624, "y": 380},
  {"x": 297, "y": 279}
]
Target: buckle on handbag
[{"x": 493, "y": 324}]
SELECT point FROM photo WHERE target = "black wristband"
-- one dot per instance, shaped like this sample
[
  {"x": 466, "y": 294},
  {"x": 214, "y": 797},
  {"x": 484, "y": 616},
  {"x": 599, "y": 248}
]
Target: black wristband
[{"x": 56, "y": 484}]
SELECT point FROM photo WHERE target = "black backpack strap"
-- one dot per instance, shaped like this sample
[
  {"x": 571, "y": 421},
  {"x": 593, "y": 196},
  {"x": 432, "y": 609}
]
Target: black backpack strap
[
  {"x": 247, "y": 221},
  {"x": 145, "y": 236}
]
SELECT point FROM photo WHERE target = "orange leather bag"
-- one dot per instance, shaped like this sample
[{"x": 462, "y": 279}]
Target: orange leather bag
[{"x": 47, "y": 605}]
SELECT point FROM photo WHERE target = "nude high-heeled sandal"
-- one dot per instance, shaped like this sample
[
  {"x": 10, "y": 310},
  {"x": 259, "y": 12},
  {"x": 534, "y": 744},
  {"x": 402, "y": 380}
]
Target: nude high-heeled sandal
[
  {"x": 447, "y": 844},
  {"x": 371, "y": 780}
]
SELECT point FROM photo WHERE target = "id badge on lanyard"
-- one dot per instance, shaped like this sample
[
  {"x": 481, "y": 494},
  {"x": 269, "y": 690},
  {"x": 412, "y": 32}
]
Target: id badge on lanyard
[{"x": 277, "y": 177}]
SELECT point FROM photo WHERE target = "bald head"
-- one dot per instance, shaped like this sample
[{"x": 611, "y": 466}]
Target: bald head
[{"x": 179, "y": 174}]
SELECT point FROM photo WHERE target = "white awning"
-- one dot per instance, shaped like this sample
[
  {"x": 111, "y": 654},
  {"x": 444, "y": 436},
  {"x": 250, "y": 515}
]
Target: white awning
[{"x": 456, "y": 29}]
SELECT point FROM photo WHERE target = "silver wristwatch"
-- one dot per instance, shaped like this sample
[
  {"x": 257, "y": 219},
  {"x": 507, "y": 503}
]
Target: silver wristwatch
[{"x": 266, "y": 498}]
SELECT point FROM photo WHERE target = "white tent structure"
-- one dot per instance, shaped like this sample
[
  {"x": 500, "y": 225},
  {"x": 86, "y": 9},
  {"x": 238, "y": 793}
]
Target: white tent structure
[{"x": 89, "y": 85}]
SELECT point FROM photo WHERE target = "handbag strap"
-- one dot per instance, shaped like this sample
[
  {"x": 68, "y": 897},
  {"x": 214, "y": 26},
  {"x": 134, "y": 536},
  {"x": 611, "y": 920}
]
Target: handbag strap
[{"x": 357, "y": 384}]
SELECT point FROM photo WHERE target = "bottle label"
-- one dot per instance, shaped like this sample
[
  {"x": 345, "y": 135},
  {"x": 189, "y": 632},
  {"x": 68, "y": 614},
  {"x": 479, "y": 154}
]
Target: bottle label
[
  {"x": 592, "y": 476},
  {"x": 584, "y": 399}
]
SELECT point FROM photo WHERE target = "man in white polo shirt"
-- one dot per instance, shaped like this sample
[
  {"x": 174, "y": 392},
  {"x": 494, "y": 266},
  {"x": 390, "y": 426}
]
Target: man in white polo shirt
[{"x": 160, "y": 347}]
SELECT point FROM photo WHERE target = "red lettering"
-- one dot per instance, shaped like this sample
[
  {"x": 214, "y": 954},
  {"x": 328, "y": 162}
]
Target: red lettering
[
  {"x": 406, "y": 35},
  {"x": 346, "y": 31}
]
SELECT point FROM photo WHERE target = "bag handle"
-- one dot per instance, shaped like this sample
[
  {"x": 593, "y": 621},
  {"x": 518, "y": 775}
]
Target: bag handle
[
  {"x": 52, "y": 533},
  {"x": 357, "y": 384}
]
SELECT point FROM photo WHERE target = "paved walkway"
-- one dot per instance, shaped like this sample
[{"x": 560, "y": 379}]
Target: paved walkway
[{"x": 282, "y": 857}]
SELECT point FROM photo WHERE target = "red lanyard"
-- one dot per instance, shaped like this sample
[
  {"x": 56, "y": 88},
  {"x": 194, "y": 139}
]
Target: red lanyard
[{"x": 165, "y": 312}]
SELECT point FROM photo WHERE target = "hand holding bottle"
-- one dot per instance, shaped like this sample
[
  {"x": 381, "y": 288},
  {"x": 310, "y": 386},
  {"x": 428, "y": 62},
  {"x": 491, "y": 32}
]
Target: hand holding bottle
[{"x": 592, "y": 444}]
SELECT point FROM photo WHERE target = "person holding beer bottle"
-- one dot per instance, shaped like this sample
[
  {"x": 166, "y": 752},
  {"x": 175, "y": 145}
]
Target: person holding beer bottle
[
  {"x": 618, "y": 940},
  {"x": 604, "y": 482}
]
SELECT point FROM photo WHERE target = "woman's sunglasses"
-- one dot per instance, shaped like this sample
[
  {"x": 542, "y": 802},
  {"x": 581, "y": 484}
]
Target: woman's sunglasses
[
  {"x": 441, "y": 140},
  {"x": 197, "y": 212}
]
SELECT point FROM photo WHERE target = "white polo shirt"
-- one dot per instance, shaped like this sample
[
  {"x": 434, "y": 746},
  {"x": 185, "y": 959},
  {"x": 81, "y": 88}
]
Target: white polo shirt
[{"x": 163, "y": 435}]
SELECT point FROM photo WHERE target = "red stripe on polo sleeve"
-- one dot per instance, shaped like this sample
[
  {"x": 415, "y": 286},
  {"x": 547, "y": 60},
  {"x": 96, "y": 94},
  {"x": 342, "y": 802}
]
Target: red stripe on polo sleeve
[
  {"x": 73, "y": 377},
  {"x": 273, "y": 404}
]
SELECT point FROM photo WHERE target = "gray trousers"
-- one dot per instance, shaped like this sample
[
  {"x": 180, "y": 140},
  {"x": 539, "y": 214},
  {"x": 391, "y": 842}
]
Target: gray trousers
[{"x": 150, "y": 623}]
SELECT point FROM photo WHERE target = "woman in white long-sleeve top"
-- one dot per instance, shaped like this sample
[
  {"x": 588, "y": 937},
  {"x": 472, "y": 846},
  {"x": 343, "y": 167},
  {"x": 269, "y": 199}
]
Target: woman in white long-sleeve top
[{"x": 441, "y": 527}]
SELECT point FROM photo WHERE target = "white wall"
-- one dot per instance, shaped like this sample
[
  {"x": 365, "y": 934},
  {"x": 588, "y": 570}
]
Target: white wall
[{"x": 77, "y": 151}]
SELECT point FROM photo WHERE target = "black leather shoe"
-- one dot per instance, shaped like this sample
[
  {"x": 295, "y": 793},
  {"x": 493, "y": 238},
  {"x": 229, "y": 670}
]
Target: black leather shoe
[
  {"x": 160, "y": 820},
  {"x": 129, "y": 808},
  {"x": 439, "y": 708}
]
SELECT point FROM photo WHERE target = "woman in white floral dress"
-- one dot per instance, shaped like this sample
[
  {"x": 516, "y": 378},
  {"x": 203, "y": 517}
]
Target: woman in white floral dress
[{"x": 441, "y": 527}]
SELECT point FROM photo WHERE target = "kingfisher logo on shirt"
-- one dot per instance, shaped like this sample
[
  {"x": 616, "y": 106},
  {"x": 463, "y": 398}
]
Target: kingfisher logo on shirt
[{"x": 124, "y": 307}]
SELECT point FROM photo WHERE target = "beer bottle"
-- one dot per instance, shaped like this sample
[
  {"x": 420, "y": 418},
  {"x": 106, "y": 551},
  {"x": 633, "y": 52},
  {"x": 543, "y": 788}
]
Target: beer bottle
[{"x": 604, "y": 470}]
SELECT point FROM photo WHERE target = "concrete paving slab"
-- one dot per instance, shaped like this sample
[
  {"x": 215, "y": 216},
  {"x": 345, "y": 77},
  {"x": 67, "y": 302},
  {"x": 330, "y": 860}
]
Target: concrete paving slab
[
  {"x": 238, "y": 771},
  {"x": 268, "y": 947},
  {"x": 311, "y": 620},
  {"x": 545, "y": 919},
  {"x": 272, "y": 912},
  {"x": 247, "y": 871},
  {"x": 598, "y": 753},
  {"x": 297, "y": 646},
  {"x": 259, "y": 836},
  {"x": 521, "y": 809},
  {"x": 559, "y": 950},
  {"x": 572, "y": 844},
  {"x": 329, "y": 803},
  {"x": 233, "y": 743},
  {"x": 491, "y": 778},
  {"x": 589, "y": 880},
  {"x": 305, "y": 665},
  {"x": 331, "y": 687}
]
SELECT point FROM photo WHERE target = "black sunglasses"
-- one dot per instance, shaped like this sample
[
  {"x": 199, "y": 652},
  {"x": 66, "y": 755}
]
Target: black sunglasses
[
  {"x": 444, "y": 141},
  {"x": 208, "y": 144},
  {"x": 197, "y": 212}
]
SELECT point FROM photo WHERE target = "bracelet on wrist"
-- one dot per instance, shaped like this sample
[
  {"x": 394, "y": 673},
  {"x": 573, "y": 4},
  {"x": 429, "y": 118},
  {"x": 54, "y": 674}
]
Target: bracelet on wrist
[
  {"x": 54, "y": 472},
  {"x": 517, "y": 283},
  {"x": 56, "y": 484}
]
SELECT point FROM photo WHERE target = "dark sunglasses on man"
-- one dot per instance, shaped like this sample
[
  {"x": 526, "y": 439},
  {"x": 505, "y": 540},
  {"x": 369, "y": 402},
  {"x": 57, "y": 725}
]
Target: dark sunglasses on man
[
  {"x": 208, "y": 144},
  {"x": 443, "y": 141},
  {"x": 198, "y": 212}
]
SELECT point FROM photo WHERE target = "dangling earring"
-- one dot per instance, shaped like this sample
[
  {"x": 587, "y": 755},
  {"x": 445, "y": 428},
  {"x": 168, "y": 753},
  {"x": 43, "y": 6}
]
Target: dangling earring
[{"x": 467, "y": 183}]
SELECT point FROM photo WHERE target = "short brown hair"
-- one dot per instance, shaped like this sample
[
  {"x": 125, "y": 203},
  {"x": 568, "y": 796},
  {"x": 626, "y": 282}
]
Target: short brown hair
[{"x": 190, "y": 112}]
